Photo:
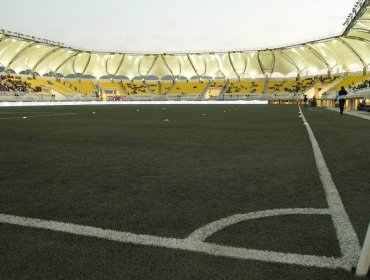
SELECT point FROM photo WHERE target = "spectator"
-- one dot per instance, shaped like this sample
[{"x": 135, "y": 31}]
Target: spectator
[{"x": 342, "y": 99}]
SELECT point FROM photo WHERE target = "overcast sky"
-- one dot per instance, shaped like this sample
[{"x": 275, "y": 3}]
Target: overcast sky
[{"x": 174, "y": 25}]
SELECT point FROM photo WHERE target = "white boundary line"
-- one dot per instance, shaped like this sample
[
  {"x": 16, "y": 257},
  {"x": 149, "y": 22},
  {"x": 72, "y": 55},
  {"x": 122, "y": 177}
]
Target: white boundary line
[
  {"x": 347, "y": 237},
  {"x": 180, "y": 244},
  {"x": 38, "y": 116},
  {"x": 203, "y": 233}
]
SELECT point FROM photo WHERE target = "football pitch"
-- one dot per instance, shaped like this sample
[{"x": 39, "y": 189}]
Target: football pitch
[{"x": 182, "y": 192}]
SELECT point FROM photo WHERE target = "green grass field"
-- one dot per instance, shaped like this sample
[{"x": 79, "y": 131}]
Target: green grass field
[{"x": 124, "y": 168}]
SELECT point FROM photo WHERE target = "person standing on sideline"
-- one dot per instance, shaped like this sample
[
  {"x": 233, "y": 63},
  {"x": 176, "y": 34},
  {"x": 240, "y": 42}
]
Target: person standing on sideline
[
  {"x": 341, "y": 96},
  {"x": 305, "y": 100}
]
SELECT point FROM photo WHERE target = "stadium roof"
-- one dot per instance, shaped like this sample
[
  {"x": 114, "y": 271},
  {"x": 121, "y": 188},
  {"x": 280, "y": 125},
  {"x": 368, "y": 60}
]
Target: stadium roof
[{"x": 347, "y": 52}]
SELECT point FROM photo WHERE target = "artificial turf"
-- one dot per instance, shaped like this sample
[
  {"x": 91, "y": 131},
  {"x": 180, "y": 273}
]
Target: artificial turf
[{"x": 124, "y": 168}]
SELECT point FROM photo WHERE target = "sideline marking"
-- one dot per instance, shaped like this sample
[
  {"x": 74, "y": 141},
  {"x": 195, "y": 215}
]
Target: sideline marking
[
  {"x": 180, "y": 244},
  {"x": 348, "y": 241},
  {"x": 38, "y": 116}
]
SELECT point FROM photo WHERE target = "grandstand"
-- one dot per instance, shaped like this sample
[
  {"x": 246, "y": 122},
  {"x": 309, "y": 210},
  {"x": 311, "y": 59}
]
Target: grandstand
[
  {"x": 312, "y": 68},
  {"x": 86, "y": 87},
  {"x": 346, "y": 54}
]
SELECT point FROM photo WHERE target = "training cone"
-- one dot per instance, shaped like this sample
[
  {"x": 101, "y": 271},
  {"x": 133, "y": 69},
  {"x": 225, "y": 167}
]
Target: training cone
[
  {"x": 166, "y": 120},
  {"x": 203, "y": 114}
]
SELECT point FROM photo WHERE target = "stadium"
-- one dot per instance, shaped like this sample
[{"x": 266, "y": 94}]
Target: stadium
[{"x": 218, "y": 164}]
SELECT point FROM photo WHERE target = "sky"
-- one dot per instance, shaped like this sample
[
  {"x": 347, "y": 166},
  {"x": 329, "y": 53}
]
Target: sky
[{"x": 174, "y": 25}]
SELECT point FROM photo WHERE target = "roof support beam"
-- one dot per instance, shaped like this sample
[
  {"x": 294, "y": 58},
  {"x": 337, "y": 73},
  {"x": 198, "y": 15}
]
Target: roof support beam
[
  {"x": 65, "y": 61},
  {"x": 271, "y": 69},
  {"x": 353, "y": 51},
  {"x": 360, "y": 30},
  {"x": 192, "y": 65},
  {"x": 87, "y": 64},
  {"x": 179, "y": 62},
  {"x": 232, "y": 65},
  {"x": 150, "y": 68},
  {"x": 273, "y": 62},
  {"x": 166, "y": 64},
  {"x": 260, "y": 64},
  {"x": 119, "y": 66},
  {"x": 45, "y": 57},
  {"x": 319, "y": 56},
  {"x": 283, "y": 54},
  {"x": 358, "y": 39},
  {"x": 20, "y": 53}
]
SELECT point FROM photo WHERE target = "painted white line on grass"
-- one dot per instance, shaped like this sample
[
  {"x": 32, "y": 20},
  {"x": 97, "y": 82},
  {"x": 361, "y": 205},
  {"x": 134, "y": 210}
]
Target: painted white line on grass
[
  {"x": 180, "y": 244},
  {"x": 203, "y": 233},
  {"x": 38, "y": 116},
  {"x": 347, "y": 237},
  {"x": 310, "y": 109}
]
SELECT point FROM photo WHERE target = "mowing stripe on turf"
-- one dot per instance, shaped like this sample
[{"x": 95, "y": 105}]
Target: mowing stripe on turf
[
  {"x": 347, "y": 237},
  {"x": 39, "y": 116},
  {"x": 180, "y": 244}
]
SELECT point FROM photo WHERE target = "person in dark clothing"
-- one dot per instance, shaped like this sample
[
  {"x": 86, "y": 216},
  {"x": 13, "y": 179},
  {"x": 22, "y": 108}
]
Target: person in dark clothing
[
  {"x": 313, "y": 102},
  {"x": 305, "y": 100},
  {"x": 361, "y": 106},
  {"x": 341, "y": 96}
]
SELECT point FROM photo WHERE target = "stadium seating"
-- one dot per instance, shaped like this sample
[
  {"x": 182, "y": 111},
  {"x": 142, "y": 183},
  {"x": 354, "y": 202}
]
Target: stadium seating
[
  {"x": 135, "y": 87},
  {"x": 14, "y": 84},
  {"x": 36, "y": 84},
  {"x": 63, "y": 87},
  {"x": 245, "y": 87},
  {"x": 154, "y": 86},
  {"x": 218, "y": 84},
  {"x": 351, "y": 81},
  {"x": 84, "y": 87},
  {"x": 188, "y": 87},
  {"x": 24, "y": 83},
  {"x": 104, "y": 85},
  {"x": 165, "y": 86}
]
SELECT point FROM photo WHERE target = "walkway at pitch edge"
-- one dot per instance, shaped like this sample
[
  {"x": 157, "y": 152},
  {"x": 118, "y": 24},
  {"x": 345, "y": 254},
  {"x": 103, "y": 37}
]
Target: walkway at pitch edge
[
  {"x": 361, "y": 114},
  {"x": 196, "y": 241}
]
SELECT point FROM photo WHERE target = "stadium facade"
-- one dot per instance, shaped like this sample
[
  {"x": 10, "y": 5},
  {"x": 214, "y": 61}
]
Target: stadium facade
[{"x": 346, "y": 52}]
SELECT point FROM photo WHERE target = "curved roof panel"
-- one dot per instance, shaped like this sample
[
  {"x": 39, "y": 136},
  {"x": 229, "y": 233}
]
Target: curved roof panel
[{"x": 347, "y": 52}]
